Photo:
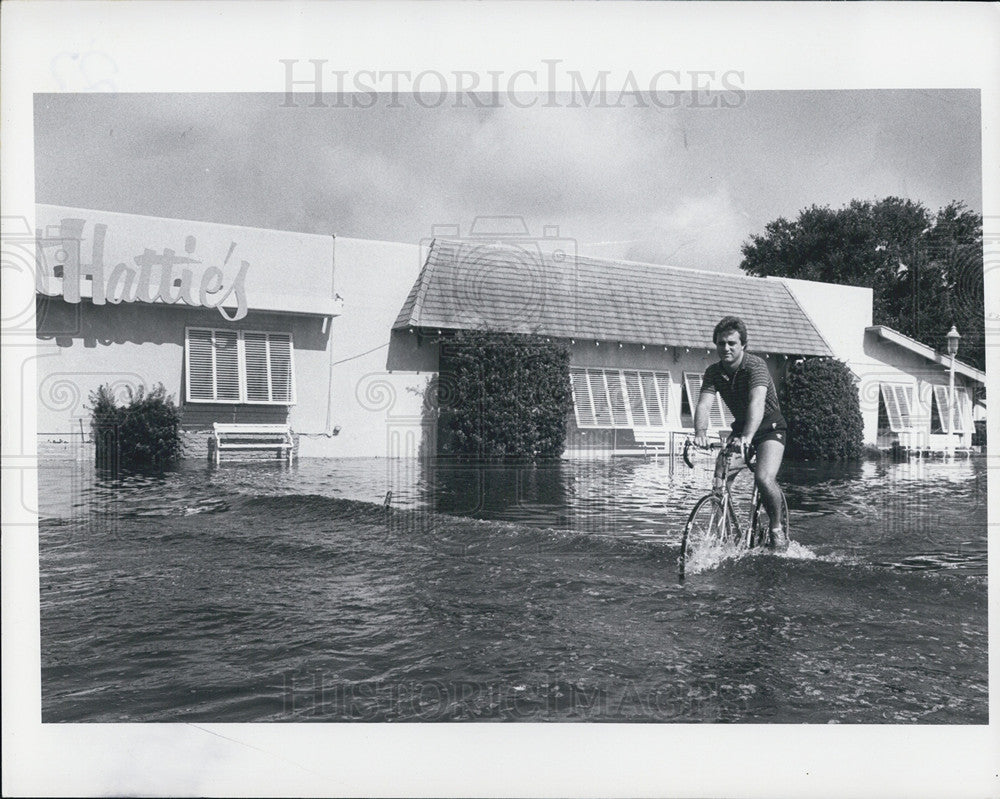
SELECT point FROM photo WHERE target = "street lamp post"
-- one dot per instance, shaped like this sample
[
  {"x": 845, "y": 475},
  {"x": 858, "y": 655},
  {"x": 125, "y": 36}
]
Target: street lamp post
[{"x": 953, "y": 338}]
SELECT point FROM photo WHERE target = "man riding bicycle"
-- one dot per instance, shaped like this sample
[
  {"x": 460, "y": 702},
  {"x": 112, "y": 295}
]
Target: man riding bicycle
[{"x": 745, "y": 384}]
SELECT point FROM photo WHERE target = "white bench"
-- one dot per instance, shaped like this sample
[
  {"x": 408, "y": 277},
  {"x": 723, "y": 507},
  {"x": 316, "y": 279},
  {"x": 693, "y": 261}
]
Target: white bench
[
  {"x": 248, "y": 437},
  {"x": 661, "y": 440}
]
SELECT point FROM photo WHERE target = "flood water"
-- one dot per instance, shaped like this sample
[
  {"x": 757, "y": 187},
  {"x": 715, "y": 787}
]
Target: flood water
[{"x": 263, "y": 592}]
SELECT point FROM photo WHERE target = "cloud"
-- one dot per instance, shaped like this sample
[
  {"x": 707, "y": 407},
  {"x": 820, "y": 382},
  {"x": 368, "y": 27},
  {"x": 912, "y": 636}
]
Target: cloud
[
  {"x": 700, "y": 232},
  {"x": 680, "y": 186}
]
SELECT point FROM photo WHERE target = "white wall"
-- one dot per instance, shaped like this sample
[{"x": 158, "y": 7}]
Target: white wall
[
  {"x": 377, "y": 408},
  {"x": 840, "y": 314}
]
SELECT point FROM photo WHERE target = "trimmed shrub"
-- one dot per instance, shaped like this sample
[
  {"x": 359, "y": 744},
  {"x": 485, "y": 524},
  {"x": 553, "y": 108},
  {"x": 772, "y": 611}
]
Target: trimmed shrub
[
  {"x": 503, "y": 395},
  {"x": 979, "y": 433},
  {"x": 820, "y": 402},
  {"x": 143, "y": 433}
]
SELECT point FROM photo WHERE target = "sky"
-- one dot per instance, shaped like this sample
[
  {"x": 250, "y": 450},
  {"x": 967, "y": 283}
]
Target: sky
[{"x": 682, "y": 186}]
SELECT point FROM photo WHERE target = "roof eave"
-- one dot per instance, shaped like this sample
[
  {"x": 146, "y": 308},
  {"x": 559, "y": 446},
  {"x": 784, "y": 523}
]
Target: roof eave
[
  {"x": 442, "y": 324},
  {"x": 900, "y": 339}
]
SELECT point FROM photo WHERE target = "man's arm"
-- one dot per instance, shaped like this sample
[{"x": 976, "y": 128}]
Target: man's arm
[
  {"x": 755, "y": 412},
  {"x": 702, "y": 414}
]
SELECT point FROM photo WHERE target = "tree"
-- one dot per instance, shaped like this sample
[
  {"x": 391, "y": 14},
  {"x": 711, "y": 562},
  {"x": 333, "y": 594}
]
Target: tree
[{"x": 926, "y": 269}]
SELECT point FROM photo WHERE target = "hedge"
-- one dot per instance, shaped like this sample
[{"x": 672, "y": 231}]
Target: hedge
[
  {"x": 820, "y": 402},
  {"x": 503, "y": 395}
]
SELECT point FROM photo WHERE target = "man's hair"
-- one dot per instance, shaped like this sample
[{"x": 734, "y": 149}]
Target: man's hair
[{"x": 728, "y": 323}]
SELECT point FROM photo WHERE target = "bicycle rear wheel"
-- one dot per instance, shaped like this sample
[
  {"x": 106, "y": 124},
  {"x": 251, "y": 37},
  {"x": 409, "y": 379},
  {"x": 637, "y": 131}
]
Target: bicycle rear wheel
[
  {"x": 760, "y": 530},
  {"x": 709, "y": 525}
]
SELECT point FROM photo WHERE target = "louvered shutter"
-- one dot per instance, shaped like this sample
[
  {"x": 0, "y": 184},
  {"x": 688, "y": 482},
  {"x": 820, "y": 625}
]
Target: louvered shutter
[
  {"x": 649, "y": 392},
  {"x": 635, "y": 399},
  {"x": 239, "y": 366},
  {"x": 599, "y": 395},
  {"x": 200, "y": 368},
  {"x": 280, "y": 364},
  {"x": 941, "y": 396},
  {"x": 213, "y": 365},
  {"x": 954, "y": 422},
  {"x": 898, "y": 400},
  {"x": 227, "y": 365},
  {"x": 962, "y": 411},
  {"x": 624, "y": 398},
  {"x": 257, "y": 369},
  {"x": 663, "y": 389},
  {"x": 692, "y": 384},
  {"x": 581, "y": 398},
  {"x": 716, "y": 417},
  {"x": 616, "y": 393},
  {"x": 904, "y": 399},
  {"x": 891, "y": 408}
]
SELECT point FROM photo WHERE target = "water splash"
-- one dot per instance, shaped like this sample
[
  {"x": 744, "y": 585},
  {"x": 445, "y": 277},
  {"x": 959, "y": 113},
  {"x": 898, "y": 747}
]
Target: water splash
[
  {"x": 795, "y": 551},
  {"x": 711, "y": 555}
]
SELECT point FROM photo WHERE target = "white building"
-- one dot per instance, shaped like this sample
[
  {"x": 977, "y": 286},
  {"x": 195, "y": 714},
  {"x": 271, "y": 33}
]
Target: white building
[{"x": 339, "y": 338}]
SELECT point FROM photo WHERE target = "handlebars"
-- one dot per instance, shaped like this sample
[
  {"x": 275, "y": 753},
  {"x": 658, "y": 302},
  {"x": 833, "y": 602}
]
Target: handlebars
[
  {"x": 728, "y": 449},
  {"x": 689, "y": 445}
]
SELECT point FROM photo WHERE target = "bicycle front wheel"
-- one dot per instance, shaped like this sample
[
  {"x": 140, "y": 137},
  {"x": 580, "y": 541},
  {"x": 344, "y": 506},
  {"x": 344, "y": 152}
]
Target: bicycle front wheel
[{"x": 707, "y": 527}]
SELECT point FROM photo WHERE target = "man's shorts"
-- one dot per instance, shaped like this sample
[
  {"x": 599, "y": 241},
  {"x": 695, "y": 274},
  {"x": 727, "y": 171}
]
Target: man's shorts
[
  {"x": 776, "y": 430},
  {"x": 770, "y": 435},
  {"x": 771, "y": 431}
]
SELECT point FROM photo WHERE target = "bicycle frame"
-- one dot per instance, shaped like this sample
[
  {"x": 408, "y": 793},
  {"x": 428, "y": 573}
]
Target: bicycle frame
[
  {"x": 727, "y": 467},
  {"x": 722, "y": 488}
]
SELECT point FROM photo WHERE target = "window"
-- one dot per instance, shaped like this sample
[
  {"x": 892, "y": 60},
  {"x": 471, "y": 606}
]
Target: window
[
  {"x": 937, "y": 414},
  {"x": 719, "y": 416},
  {"x": 620, "y": 397},
  {"x": 239, "y": 366},
  {"x": 959, "y": 417},
  {"x": 898, "y": 400}
]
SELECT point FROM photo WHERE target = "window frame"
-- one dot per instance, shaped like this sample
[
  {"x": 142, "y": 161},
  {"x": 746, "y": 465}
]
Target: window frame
[
  {"x": 896, "y": 420},
  {"x": 941, "y": 399},
  {"x": 241, "y": 362},
  {"x": 584, "y": 377}
]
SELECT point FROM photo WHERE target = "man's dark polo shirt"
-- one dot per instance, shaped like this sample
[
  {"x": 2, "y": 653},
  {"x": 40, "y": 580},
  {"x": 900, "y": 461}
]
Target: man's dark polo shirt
[{"x": 735, "y": 391}]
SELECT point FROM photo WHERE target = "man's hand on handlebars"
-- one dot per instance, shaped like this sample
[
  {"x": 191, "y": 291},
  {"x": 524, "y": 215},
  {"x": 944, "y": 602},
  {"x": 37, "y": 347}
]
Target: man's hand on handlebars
[
  {"x": 693, "y": 444},
  {"x": 740, "y": 445}
]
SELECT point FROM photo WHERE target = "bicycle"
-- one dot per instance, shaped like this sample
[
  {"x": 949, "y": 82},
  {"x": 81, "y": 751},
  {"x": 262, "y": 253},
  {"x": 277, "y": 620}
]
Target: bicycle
[{"x": 713, "y": 521}]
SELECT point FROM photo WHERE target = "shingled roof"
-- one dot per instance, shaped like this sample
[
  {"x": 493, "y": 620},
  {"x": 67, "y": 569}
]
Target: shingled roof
[{"x": 468, "y": 284}]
